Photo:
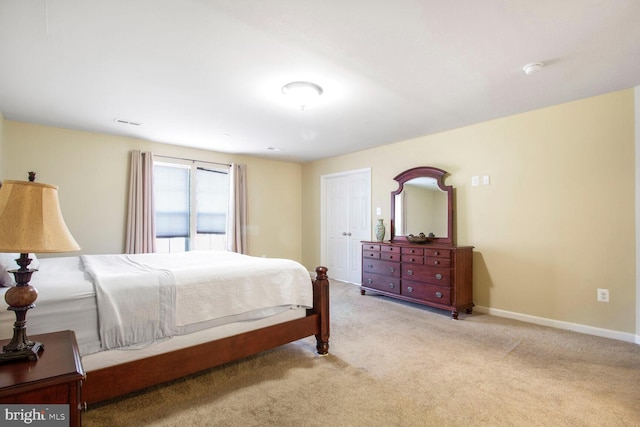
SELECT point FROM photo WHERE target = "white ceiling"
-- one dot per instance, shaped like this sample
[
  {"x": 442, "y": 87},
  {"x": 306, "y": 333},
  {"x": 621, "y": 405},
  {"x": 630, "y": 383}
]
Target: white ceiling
[{"x": 209, "y": 73}]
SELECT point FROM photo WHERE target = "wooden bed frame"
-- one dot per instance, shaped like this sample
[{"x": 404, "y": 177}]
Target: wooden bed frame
[{"x": 118, "y": 380}]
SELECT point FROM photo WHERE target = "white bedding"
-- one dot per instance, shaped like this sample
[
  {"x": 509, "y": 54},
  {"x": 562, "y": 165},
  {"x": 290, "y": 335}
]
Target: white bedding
[
  {"x": 66, "y": 301},
  {"x": 136, "y": 302},
  {"x": 239, "y": 288}
]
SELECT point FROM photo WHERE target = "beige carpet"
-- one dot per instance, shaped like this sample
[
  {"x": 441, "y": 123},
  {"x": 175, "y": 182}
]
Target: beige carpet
[{"x": 397, "y": 364}]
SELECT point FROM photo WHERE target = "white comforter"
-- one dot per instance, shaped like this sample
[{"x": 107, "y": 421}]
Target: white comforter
[{"x": 145, "y": 297}]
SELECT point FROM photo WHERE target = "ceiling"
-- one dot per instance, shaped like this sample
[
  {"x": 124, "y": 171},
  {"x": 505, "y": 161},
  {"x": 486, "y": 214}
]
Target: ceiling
[{"x": 209, "y": 73}]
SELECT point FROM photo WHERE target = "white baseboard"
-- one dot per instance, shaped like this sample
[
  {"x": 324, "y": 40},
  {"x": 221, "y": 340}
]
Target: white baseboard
[
  {"x": 584, "y": 329},
  {"x": 575, "y": 327}
]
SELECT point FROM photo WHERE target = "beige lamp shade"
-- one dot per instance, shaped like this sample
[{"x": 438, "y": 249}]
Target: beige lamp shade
[{"x": 31, "y": 220}]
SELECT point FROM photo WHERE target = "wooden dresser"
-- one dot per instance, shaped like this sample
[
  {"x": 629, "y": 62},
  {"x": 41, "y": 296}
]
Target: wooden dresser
[{"x": 437, "y": 275}]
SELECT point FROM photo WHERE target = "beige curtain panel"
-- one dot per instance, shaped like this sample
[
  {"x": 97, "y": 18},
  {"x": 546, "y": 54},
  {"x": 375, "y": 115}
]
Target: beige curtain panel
[
  {"x": 237, "y": 213},
  {"x": 141, "y": 227}
]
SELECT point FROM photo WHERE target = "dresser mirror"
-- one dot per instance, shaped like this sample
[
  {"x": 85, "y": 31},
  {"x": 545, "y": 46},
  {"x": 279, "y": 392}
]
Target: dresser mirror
[{"x": 422, "y": 204}]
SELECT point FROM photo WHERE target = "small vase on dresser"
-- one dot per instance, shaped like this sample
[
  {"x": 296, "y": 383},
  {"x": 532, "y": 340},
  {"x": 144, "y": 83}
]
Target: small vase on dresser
[{"x": 380, "y": 230}]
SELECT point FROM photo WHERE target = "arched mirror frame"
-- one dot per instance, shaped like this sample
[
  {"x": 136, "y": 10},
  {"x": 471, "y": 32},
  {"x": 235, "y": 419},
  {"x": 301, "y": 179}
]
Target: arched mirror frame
[{"x": 428, "y": 172}]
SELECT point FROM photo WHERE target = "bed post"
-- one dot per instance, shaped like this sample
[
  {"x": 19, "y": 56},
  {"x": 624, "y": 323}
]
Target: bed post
[{"x": 321, "y": 307}]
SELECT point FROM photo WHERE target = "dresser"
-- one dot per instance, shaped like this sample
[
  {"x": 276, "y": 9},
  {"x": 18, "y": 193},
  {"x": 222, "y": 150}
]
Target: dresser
[
  {"x": 437, "y": 275},
  {"x": 56, "y": 378}
]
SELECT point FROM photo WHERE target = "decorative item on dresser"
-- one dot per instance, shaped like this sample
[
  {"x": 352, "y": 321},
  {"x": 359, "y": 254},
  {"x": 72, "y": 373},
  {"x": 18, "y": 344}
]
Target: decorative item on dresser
[
  {"x": 380, "y": 230},
  {"x": 433, "y": 270}
]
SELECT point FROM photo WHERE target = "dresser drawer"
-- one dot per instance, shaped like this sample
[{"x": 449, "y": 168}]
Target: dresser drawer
[
  {"x": 369, "y": 247},
  {"x": 428, "y": 274},
  {"x": 387, "y": 268},
  {"x": 371, "y": 254},
  {"x": 390, "y": 249},
  {"x": 433, "y": 293},
  {"x": 413, "y": 251},
  {"x": 435, "y": 252},
  {"x": 437, "y": 262},
  {"x": 390, "y": 256},
  {"x": 381, "y": 283},
  {"x": 413, "y": 259}
]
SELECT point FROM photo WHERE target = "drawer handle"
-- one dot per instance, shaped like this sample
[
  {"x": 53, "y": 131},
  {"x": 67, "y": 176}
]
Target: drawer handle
[
  {"x": 392, "y": 269},
  {"x": 369, "y": 265},
  {"x": 369, "y": 281},
  {"x": 439, "y": 294},
  {"x": 410, "y": 272},
  {"x": 436, "y": 262},
  {"x": 436, "y": 253},
  {"x": 392, "y": 285},
  {"x": 439, "y": 276},
  {"x": 410, "y": 289}
]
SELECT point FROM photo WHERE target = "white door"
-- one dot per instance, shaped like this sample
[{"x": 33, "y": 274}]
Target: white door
[{"x": 347, "y": 219}]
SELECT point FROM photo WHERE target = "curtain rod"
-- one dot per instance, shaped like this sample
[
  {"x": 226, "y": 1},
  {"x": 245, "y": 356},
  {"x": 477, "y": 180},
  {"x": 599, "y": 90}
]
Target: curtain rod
[{"x": 192, "y": 160}]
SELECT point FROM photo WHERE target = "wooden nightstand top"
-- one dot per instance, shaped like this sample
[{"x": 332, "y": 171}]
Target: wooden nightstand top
[{"x": 59, "y": 363}]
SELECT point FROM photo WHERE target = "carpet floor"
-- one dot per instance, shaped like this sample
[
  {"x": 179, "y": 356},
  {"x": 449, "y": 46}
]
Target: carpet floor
[{"x": 398, "y": 364}]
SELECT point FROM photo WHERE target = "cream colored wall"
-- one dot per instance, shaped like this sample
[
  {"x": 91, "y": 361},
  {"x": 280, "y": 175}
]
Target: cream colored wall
[
  {"x": 92, "y": 173},
  {"x": 637, "y": 194},
  {"x": 556, "y": 221},
  {"x": 2, "y": 157}
]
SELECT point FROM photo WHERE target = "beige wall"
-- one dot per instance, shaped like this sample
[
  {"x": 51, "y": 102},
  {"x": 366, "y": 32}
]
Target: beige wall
[
  {"x": 557, "y": 220},
  {"x": 2, "y": 157},
  {"x": 637, "y": 194},
  {"x": 92, "y": 173}
]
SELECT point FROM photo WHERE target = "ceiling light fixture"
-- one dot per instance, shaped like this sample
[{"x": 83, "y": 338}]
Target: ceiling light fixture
[
  {"x": 532, "y": 68},
  {"x": 302, "y": 93}
]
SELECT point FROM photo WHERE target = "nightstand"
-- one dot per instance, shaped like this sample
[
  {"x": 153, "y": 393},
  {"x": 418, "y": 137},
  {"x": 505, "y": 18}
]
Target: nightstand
[{"x": 56, "y": 378}]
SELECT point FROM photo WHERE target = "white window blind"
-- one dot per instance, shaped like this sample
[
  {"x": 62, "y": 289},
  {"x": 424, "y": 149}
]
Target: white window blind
[
  {"x": 191, "y": 202},
  {"x": 171, "y": 193},
  {"x": 212, "y": 196}
]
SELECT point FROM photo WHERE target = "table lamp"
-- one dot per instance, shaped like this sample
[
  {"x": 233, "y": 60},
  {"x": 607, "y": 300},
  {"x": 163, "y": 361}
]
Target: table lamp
[{"x": 30, "y": 222}]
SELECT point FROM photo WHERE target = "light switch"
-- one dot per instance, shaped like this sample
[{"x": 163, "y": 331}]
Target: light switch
[
  {"x": 475, "y": 181},
  {"x": 378, "y": 211},
  {"x": 485, "y": 180}
]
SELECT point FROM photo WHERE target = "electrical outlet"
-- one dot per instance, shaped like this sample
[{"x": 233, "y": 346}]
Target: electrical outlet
[{"x": 603, "y": 295}]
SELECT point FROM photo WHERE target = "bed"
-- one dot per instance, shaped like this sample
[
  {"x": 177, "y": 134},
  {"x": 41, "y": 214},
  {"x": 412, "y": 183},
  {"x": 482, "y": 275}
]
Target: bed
[{"x": 146, "y": 319}]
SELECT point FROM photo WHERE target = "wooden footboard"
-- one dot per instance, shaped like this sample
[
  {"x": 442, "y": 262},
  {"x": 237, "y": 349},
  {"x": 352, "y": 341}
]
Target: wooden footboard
[{"x": 118, "y": 380}]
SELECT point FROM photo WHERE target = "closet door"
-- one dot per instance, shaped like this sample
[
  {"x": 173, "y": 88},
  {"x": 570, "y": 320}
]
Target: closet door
[
  {"x": 348, "y": 222},
  {"x": 337, "y": 225}
]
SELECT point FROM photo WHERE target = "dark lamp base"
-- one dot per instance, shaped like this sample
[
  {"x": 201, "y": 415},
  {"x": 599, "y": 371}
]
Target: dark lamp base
[
  {"x": 29, "y": 353},
  {"x": 21, "y": 298}
]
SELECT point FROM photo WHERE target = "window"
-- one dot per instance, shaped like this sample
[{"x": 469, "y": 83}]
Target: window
[{"x": 191, "y": 202}]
